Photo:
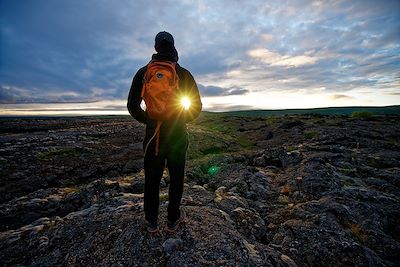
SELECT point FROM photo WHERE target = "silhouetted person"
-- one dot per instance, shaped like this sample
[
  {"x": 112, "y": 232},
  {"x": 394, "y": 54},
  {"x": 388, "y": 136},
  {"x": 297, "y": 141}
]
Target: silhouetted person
[{"x": 166, "y": 140}]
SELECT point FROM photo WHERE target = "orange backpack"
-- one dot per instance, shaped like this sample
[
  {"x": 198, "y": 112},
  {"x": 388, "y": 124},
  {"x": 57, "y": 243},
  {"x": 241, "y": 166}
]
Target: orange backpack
[{"x": 160, "y": 85}]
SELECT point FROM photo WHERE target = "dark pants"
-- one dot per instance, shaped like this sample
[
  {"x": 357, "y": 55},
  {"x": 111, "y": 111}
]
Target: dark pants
[{"x": 154, "y": 167}]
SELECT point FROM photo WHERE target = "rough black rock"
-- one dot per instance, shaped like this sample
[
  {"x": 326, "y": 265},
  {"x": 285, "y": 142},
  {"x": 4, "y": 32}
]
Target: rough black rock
[{"x": 320, "y": 191}]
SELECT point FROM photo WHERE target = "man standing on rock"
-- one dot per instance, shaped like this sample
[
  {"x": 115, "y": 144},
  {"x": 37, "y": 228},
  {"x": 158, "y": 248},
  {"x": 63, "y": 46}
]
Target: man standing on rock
[{"x": 172, "y": 99}]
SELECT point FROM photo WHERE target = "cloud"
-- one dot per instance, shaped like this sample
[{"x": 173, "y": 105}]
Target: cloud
[
  {"x": 46, "y": 109},
  {"x": 220, "y": 91},
  {"x": 7, "y": 95},
  {"x": 11, "y": 95},
  {"x": 70, "y": 51},
  {"x": 341, "y": 97},
  {"x": 228, "y": 107},
  {"x": 276, "y": 59},
  {"x": 237, "y": 91},
  {"x": 393, "y": 93},
  {"x": 267, "y": 37}
]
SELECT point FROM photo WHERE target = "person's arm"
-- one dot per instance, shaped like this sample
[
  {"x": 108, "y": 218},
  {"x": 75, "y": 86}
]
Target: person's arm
[
  {"x": 135, "y": 98},
  {"x": 196, "y": 104}
]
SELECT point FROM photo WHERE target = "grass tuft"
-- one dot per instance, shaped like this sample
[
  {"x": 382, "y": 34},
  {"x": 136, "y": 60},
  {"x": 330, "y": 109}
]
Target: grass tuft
[{"x": 283, "y": 199}]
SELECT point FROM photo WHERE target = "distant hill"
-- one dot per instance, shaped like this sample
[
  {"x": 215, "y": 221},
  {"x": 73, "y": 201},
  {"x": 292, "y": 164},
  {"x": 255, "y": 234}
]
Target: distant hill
[{"x": 388, "y": 110}]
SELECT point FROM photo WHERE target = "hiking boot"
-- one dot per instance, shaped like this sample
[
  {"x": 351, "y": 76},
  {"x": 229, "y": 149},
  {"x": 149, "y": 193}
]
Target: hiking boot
[
  {"x": 152, "y": 228},
  {"x": 172, "y": 227}
]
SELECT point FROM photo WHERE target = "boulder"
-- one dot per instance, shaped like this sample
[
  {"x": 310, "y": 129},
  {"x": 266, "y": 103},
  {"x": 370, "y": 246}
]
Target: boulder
[{"x": 249, "y": 223}]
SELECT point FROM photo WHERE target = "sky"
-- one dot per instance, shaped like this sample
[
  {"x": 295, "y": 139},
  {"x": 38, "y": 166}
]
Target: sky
[{"x": 75, "y": 57}]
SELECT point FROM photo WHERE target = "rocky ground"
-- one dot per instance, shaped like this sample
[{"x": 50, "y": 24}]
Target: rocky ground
[{"x": 260, "y": 191}]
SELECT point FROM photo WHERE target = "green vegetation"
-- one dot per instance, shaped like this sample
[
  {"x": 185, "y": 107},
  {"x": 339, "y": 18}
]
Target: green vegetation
[
  {"x": 272, "y": 120},
  {"x": 245, "y": 142},
  {"x": 291, "y": 148},
  {"x": 213, "y": 150},
  {"x": 361, "y": 114},
  {"x": 218, "y": 133},
  {"x": 283, "y": 199},
  {"x": 215, "y": 133},
  {"x": 311, "y": 134},
  {"x": 163, "y": 197},
  {"x": 215, "y": 126},
  {"x": 203, "y": 141},
  {"x": 62, "y": 153}
]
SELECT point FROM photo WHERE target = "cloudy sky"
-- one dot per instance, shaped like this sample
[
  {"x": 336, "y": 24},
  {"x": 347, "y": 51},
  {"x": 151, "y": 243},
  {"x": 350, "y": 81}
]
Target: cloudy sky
[{"x": 58, "y": 55}]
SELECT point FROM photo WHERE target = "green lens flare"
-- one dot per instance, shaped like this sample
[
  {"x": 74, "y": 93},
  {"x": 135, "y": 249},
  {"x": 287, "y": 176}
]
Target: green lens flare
[{"x": 213, "y": 170}]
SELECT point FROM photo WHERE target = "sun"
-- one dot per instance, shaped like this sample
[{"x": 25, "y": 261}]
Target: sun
[{"x": 185, "y": 102}]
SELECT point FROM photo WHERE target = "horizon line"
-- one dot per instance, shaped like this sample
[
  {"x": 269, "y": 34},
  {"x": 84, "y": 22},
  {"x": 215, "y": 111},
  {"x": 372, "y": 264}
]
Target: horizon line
[{"x": 79, "y": 112}]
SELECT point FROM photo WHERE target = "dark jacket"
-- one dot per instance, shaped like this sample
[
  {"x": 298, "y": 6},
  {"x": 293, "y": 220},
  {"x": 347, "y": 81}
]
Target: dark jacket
[{"x": 173, "y": 133}]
